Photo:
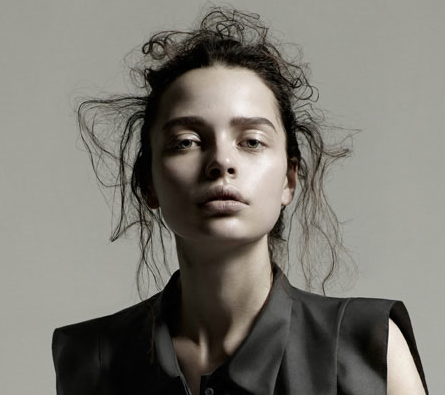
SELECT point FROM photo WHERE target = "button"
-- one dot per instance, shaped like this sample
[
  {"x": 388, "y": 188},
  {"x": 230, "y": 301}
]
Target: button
[{"x": 209, "y": 391}]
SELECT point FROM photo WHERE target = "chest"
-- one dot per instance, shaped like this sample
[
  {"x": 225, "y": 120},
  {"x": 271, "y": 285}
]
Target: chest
[{"x": 193, "y": 365}]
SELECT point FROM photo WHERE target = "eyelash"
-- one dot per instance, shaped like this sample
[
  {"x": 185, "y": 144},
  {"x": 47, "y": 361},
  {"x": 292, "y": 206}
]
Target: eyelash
[{"x": 178, "y": 142}]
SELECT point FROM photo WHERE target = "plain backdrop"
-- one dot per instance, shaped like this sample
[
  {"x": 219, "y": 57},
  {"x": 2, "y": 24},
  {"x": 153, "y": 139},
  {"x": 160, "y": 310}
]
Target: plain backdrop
[{"x": 379, "y": 67}]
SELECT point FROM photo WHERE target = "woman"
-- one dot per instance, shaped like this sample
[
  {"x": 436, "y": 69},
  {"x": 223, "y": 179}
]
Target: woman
[{"x": 217, "y": 148}]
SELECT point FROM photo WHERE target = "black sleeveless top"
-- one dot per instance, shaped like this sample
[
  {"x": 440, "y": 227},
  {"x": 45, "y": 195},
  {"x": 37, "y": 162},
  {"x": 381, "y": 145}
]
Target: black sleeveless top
[{"x": 300, "y": 343}]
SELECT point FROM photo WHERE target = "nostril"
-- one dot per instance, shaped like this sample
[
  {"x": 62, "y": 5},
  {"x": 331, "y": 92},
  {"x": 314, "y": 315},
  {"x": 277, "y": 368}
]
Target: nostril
[{"x": 214, "y": 172}]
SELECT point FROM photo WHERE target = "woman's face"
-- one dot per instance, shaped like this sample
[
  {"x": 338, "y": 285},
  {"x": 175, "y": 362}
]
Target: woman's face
[{"x": 219, "y": 126}]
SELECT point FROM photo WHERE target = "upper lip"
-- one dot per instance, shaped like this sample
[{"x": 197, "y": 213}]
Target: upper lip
[{"x": 222, "y": 192}]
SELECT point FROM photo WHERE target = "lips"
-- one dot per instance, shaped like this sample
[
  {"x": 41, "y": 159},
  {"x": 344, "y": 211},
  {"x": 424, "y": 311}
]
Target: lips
[{"x": 222, "y": 192}]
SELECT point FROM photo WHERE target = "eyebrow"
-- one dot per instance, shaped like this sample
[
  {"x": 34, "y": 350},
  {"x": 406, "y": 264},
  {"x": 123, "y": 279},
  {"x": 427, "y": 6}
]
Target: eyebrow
[{"x": 199, "y": 121}]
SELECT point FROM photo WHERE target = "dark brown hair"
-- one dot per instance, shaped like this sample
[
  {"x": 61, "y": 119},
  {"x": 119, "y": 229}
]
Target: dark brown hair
[{"x": 116, "y": 131}]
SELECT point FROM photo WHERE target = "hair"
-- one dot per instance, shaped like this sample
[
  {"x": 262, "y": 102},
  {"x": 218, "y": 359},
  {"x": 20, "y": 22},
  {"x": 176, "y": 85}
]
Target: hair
[{"x": 116, "y": 132}]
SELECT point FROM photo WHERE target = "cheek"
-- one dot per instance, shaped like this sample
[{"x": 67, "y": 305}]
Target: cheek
[
  {"x": 172, "y": 177},
  {"x": 268, "y": 183}
]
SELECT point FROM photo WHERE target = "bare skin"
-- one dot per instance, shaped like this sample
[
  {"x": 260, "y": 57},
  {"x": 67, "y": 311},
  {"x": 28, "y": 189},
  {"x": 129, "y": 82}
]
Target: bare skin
[{"x": 403, "y": 377}]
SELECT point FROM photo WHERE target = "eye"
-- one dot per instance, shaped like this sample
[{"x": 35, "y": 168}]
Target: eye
[
  {"x": 255, "y": 144},
  {"x": 183, "y": 144}
]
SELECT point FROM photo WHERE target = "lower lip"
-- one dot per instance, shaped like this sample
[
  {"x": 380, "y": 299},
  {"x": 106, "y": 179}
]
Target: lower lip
[{"x": 226, "y": 206}]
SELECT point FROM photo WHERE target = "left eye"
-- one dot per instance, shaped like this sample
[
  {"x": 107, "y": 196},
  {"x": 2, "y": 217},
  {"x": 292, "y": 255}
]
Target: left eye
[
  {"x": 255, "y": 143},
  {"x": 185, "y": 144}
]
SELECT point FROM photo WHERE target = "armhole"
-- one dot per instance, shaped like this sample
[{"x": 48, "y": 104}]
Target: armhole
[
  {"x": 399, "y": 314},
  {"x": 363, "y": 344}
]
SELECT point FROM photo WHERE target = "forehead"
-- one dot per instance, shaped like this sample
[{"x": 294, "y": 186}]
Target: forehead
[{"x": 219, "y": 91}]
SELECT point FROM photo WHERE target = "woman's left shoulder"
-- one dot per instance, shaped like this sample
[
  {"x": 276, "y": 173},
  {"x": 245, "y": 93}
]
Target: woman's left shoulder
[{"x": 380, "y": 331}]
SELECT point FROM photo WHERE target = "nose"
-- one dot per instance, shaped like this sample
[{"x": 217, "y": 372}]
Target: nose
[{"x": 221, "y": 161}]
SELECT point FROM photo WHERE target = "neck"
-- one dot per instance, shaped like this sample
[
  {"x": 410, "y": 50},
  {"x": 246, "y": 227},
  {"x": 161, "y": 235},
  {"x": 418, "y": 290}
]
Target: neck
[{"x": 222, "y": 292}]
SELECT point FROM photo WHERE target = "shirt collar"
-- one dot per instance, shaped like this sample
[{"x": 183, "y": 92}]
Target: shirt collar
[{"x": 255, "y": 364}]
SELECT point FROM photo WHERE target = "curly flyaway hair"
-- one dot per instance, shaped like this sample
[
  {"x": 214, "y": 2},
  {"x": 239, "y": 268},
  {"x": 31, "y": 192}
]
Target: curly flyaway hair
[{"x": 116, "y": 132}]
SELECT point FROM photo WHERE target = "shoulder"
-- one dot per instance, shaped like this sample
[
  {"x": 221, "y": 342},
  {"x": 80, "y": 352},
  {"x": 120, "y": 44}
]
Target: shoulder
[
  {"x": 317, "y": 304},
  {"x": 348, "y": 320},
  {"x": 79, "y": 349},
  {"x": 372, "y": 338},
  {"x": 86, "y": 330}
]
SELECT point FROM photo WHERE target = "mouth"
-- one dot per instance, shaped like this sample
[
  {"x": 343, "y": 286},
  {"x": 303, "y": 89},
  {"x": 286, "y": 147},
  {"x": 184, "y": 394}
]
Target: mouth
[
  {"x": 223, "y": 205},
  {"x": 222, "y": 193},
  {"x": 222, "y": 198}
]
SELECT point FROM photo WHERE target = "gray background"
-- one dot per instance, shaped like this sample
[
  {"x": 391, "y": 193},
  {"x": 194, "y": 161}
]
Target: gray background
[{"x": 379, "y": 67}]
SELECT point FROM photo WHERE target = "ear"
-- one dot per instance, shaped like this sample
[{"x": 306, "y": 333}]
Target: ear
[
  {"x": 290, "y": 182},
  {"x": 151, "y": 198}
]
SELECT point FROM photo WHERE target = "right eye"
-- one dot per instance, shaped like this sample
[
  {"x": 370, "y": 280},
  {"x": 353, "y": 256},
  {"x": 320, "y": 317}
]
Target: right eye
[{"x": 183, "y": 144}]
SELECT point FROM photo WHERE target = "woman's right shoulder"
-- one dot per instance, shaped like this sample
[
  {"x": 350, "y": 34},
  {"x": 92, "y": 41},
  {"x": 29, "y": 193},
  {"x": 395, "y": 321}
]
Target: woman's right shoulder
[
  {"x": 108, "y": 322},
  {"x": 79, "y": 350},
  {"x": 83, "y": 338}
]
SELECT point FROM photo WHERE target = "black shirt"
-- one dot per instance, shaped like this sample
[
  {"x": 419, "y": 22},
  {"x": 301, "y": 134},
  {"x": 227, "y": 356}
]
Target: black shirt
[{"x": 300, "y": 343}]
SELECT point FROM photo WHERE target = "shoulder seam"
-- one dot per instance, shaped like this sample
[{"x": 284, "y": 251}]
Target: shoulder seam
[
  {"x": 340, "y": 320},
  {"x": 99, "y": 347}
]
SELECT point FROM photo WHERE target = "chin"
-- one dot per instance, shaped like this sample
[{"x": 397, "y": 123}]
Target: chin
[{"x": 230, "y": 236}]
